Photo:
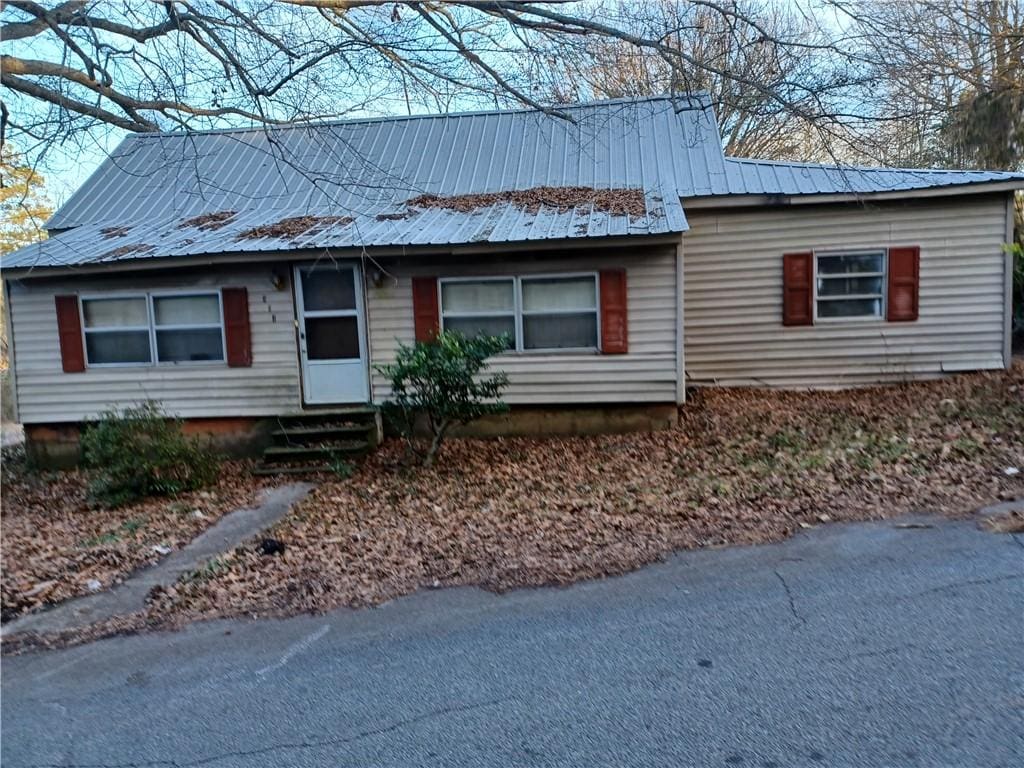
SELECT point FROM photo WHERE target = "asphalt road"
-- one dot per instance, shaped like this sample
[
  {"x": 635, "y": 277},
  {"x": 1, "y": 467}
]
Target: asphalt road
[{"x": 868, "y": 645}]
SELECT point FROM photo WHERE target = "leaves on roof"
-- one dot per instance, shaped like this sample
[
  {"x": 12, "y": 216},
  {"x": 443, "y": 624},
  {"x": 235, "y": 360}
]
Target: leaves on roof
[
  {"x": 294, "y": 227},
  {"x": 112, "y": 232},
  {"x": 209, "y": 222},
  {"x": 617, "y": 202},
  {"x": 128, "y": 250}
]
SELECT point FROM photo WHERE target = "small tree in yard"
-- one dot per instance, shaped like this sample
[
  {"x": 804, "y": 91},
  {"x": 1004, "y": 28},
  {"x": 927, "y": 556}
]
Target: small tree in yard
[
  {"x": 139, "y": 452},
  {"x": 440, "y": 382}
]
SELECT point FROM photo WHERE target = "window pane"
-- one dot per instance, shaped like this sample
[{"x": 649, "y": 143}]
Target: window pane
[
  {"x": 105, "y": 313},
  {"x": 477, "y": 296},
  {"x": 850, "y": 308},
  {"x": 849, "y": 286},
  {"x": 117, "y": 347},
  {"x": 186, "y": 310},
  {"x": 327, "y": 288},
  {"x": 840, "y": 265},
  {"x": 476, "y": 326},
  {"x": 559, "y": 293},
  {"x": 181, "y": 346},
  {"x": 332, "y": 338},
  {"x": 559, "y": 331}
]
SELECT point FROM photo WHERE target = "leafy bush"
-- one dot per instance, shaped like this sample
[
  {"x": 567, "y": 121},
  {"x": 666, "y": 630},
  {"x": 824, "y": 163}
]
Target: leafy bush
[
  {"x": 140, "y": 452},
  {"x": 440, "y": 382}
]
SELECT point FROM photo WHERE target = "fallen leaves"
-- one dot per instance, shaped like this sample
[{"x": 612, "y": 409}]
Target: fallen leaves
[
  {"x": 743, "y": 466},
  {"x": 617, "y": 202},
  {"x": 128, "y": 250},
  {"x": 208, "y": 222},
  {"x": 294, "y": 227},
  {"x": 56, "y": 547}
]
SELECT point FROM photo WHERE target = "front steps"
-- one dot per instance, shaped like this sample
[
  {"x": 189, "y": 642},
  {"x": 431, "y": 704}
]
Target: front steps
[{"x": 320, "y": 441}]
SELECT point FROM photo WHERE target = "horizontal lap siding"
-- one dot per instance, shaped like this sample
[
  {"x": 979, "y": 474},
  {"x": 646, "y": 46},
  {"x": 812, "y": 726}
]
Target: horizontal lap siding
[
  {"x": 646, "y": 374},
  {"x": 47, "y": 394},
  {"x": 733, "y": 295}
]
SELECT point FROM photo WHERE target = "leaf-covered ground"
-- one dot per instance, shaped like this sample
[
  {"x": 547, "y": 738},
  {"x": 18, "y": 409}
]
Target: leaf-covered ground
[
  {"x": 743, "y": 466},
  {"x": 55, "y": 544}
]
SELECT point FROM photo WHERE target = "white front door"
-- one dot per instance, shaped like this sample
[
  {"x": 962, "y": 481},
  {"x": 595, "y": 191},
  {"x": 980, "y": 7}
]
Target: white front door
[{"x": 332, "y": 346}]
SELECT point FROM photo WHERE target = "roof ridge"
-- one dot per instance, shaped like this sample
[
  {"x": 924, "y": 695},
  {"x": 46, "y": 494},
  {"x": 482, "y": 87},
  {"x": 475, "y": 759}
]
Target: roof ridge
[{"x": 703, "y": 99}]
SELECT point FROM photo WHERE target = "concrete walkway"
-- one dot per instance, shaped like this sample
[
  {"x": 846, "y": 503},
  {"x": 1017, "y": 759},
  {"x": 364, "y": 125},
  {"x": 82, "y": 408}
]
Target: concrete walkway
[{"x": 130, "y": 596}]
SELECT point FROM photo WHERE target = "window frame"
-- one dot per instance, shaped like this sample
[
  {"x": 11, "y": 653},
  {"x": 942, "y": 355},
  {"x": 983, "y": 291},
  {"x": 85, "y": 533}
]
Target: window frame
[
  {"x": 183, "y": 293},
  {"x": 114, "y": 328},
  {"x": 882, "y": 296},
  {"x": 151, "y": 327},
  {"x": 517, "y": 313}
]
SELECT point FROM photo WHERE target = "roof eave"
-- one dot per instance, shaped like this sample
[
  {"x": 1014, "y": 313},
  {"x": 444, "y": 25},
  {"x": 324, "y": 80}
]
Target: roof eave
[{"x": 380, "y": 252}]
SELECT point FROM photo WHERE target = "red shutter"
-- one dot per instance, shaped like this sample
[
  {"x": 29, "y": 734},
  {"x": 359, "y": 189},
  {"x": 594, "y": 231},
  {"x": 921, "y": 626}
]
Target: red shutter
[
  {"x": 424, "y": 308},
  {"x": 237, "y": 335},
  {"x": 614, "y": 325},
  {"x": 797, "y": 289},
  {"x": 904, "y": 269},
  {"x": 69, "y": 331}
]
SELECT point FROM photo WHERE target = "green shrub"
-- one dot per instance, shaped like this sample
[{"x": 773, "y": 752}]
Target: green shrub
[
  {"x": 440, "y": 382},
  {"x": 139, "y": 452}
]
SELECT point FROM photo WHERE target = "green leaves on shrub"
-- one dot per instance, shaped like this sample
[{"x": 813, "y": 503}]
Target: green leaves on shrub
[
  {"x": 440, "y": 382},
  {"x": 140, "y": 452}
]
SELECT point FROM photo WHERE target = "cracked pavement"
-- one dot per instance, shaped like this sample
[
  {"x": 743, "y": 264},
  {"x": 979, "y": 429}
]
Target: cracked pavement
[{"x": 860, "y": 645}]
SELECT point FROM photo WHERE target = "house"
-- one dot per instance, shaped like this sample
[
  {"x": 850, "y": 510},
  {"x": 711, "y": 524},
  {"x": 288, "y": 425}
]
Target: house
[{"x": 241, "y": 275}]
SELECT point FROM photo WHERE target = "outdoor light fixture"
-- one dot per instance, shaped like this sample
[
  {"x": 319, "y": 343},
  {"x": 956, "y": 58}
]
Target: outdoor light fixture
[{"x": 276, "y": 280}]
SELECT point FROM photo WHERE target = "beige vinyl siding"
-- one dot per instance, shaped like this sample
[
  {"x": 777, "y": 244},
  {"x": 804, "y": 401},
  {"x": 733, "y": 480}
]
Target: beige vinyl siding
[
  {"x": 47, "y": 394},
  {"x": 646, "y": 374},
  {"x": 733, "y": 294}
]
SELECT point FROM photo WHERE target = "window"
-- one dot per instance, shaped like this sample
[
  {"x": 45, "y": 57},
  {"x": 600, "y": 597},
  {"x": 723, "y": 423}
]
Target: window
[
  {"x": 475, "y": 307},
  {"x": 559, "y": 312},
  {"x": 537, "y": 313},
  {"x": 116, "y": 331},
  {"x": 188, "y": 328},
  {"x": 147, "y": 329},
  {"x": 849, "y": 285}
]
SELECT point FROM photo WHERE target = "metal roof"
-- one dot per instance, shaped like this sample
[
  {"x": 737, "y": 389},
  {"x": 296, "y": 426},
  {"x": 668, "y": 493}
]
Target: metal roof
[
  {"x": 368, "y": 170},
  {"x": 771, "y": 177},
  {"x": 355, "y": 183}
]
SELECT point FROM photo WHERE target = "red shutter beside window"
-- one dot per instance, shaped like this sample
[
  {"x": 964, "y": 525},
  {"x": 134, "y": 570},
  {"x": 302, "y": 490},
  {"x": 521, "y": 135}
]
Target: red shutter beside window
[
  {"x": 424, "y": 308},
  {"x": 797, "y": 289},
  {"x": 614, "y": 320},
  {"x": 237, "y": 335},
  {"x": 69, "y": 332},
  {"x": 904, "y": 281}
]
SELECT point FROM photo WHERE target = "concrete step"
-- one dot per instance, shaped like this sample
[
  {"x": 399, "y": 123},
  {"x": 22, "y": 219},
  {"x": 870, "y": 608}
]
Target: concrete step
[
  {"x": 319, "y": 433},
  {"x": 290, "y": 469},
  {"x": 346, "y": 449},
  {"x": 335, "y": 416}
]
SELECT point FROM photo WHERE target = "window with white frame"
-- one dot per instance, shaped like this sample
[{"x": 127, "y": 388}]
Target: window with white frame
[
  {"x": 849, "y": 285},
  {"x": 188, "y": 328},
  {"x": 559, "y": 312},
  {"x": 544, "y": 312},
  {"x": 153, "y": 328},
  {"x": 117, "y": 330},
  {"x": 480, "y": 307}
]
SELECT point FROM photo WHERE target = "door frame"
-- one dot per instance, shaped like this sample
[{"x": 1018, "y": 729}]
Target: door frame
[{"x": 300, "y": 325}]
